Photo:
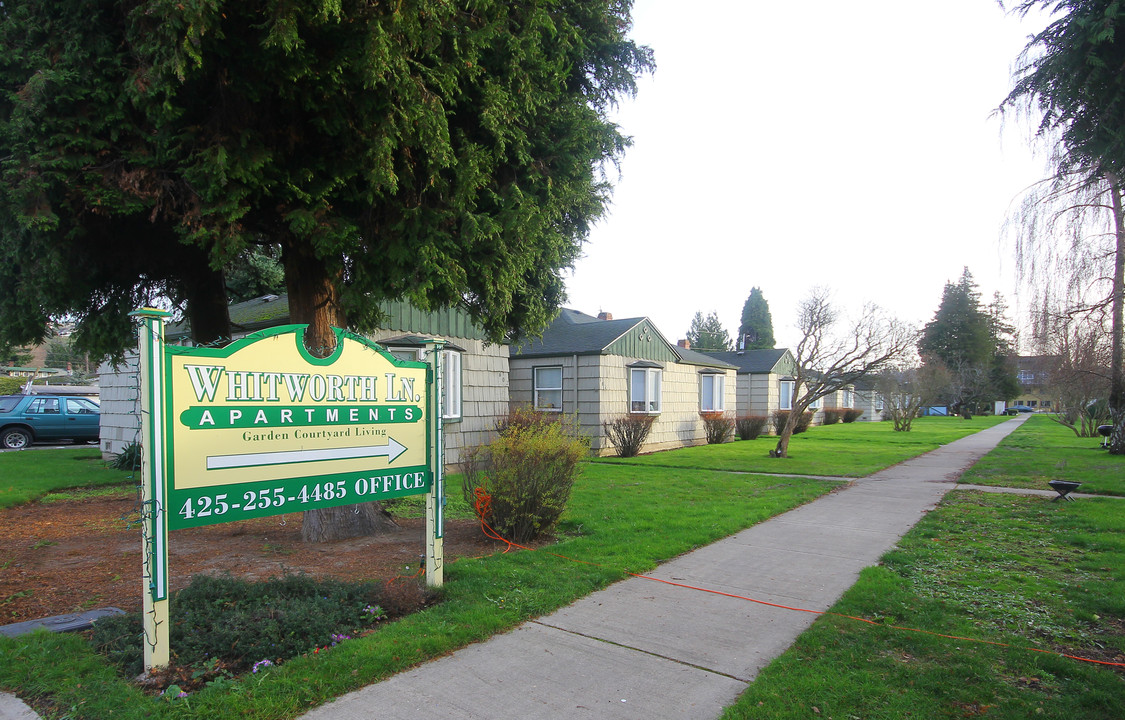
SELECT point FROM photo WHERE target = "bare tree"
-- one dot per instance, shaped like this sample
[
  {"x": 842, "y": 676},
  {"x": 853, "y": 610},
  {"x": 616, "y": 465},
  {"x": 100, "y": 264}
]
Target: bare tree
[
  {"x": 1075, "y": 354},
  {"x": 1070, "y": 244},
  {"x": 905, "y": 391},
  {"x": 829, "y": 359}
]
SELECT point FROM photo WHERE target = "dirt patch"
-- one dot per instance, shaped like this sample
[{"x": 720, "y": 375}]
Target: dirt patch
[{"x": 70, "y": 556}]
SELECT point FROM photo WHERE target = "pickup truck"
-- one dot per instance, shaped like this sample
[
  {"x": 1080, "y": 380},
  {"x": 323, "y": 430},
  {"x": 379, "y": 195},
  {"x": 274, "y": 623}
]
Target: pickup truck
[{"x": 25, "y": 419}]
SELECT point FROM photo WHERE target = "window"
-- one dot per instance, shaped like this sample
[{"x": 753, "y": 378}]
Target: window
[
  {"x": 814, "y": 405},
  {"x": 410, "y": 354},
  {"x": 81, "y": 406},
  {"x": 711, "y": 392},
  {"x": 786, "y": 395},
  {"x": 644, "y": 390},
  {"x": 849, "y": 398},
  {"x": 451, "y": 376},
  {"x": 549, "y": 389},
  {"x": 43, "y": 406}
]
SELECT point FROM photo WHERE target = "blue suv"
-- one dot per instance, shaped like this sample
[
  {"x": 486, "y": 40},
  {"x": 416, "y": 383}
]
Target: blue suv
[{"x": 25, "y": 419}]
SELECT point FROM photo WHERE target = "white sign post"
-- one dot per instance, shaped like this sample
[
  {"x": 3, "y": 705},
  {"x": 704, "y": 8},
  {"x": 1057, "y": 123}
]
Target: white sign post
[{"x": 154, "y": 517}]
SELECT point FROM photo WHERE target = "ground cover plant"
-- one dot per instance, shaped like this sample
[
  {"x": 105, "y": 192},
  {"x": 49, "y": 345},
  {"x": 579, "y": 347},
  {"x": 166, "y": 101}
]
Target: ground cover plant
[
  {"x": 621, "y": 519},
  {"x": 1018, "y": 570},
  {"x": 223, "y": 626},
  {"x": 30, "y": 474},
  {"x": 1042, "y": 450},
  {"x": 848, "y": 450}
]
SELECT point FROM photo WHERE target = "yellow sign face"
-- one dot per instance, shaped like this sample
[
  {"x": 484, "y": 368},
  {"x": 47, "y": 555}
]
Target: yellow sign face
[{"x": 261, "y": 427}]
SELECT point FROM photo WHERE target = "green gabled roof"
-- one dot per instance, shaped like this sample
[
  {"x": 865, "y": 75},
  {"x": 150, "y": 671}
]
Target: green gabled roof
[
  {"x": 576, "y": 333},
  {"x": 273, "y": 310}
]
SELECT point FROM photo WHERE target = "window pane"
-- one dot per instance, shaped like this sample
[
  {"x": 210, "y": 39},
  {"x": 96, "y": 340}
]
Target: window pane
[
  {"x": 786, "y": 395},
  {"x": 708, "y": 399},
  {"x": 654, "y": 391},
  {"x": 451, "y": 375},
  {"x": 548, "y": 378},
  {"x": 637, "y": 390}
]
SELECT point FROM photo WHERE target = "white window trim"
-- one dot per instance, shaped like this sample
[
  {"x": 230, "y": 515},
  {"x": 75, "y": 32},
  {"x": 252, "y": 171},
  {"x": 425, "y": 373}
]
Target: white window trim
[
  {"x": 536, "y": 388},
  {"x": 718, "y": 384},
  {"x": 781, "y": 399},
  {"x": 451, "y": 378},
  {"x": 653, "y": 390}
]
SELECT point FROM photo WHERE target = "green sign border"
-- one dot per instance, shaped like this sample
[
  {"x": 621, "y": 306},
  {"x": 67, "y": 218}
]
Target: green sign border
[{"x": 290, "y": 488}]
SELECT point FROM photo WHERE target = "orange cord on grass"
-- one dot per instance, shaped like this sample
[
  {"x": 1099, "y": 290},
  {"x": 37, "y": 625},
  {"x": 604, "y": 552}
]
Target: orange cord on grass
[{"x": 483, "y": 503}]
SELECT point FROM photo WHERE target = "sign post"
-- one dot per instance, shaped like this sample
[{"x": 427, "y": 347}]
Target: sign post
[
  {"x": 435, "y": 499},
  {"x": 154, "y": 538},
  {"x": 261, "y": 427}
]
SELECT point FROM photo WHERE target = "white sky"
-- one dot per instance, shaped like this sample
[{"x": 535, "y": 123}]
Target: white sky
[{"x": 788, "y": 145}]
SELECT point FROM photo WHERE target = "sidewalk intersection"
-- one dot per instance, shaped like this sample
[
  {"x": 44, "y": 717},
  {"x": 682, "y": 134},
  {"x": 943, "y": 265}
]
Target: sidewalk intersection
[{"x": 645, "y": 649}]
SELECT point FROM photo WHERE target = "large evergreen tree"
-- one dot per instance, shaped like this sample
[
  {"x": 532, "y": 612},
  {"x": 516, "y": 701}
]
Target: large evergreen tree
[
  {"x": 447, "y": 153},
  {"x": 707, "y": 333},
  {"x": 757, "y": 324},
  {"x": 972, "y": 344},
  {"x": 1070, "y": 76},
  {"x": 444, "y": 152}
]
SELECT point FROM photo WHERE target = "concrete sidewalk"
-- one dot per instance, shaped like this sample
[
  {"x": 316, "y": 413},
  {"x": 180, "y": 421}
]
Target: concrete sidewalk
[{"x": 645, "y": 649}]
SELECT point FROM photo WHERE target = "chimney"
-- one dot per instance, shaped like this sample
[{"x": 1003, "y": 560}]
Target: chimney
[
  {"x": 685, "y": 344},
  {"x": 605, "y": 316}
]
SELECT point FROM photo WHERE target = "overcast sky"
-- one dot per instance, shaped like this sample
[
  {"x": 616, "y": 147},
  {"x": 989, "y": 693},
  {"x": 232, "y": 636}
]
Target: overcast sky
[{"x": 789, "y": 145}]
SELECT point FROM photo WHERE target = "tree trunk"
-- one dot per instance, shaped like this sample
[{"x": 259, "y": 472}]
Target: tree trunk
[
  {"x": 337, "y": 523},
  {"x": 206, "y": 293},
  {"x": 315, "y": 301},
  {"x": 782, "y": 449},
  {"x": 1117, "y": 380}
]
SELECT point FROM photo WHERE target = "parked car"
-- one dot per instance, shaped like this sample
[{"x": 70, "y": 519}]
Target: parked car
[
  {"x": 25, "y": 419},
  {"x": 1016, "y": 409}
]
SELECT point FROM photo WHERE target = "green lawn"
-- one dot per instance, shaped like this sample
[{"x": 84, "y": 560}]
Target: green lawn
[
  {"x": 622, "y": 518},
  {"x": 1011, "y": 569},
  {"x": 30, "y": 474},
  {"x": 844, "y": 449},
  {"x": 1043, "y": 450}
]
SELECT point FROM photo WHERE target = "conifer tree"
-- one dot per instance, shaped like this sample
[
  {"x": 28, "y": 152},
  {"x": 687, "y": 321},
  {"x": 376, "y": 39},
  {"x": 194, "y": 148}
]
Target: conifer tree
[
  {"x": 970, "y": 344},
  {"x": 757, "y": 324},
  {"x": 708, "y": 333}
]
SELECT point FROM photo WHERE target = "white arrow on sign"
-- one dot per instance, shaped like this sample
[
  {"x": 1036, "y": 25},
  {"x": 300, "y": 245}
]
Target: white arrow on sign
[{"x": 391, "y": 450}]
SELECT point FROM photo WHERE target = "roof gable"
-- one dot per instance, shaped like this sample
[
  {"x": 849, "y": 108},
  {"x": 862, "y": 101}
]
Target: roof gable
[
  {"x": 759, "y": 362},
  {"x": 576, "y": 333}
]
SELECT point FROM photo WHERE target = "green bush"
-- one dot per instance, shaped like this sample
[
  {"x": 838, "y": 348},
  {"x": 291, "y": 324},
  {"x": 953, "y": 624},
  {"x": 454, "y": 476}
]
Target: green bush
[
  {"x": 627, "y": 433},
  {"x": 527, "y": 473},
  {"x": 11, "y": 385},
  {"x": 128, "y": 459},
  {"x": 717, "y": 426},
  {"x": 749, "y": 427},
  {"x": 239, "y": 623},
  {"x": 852, "y": 414}
]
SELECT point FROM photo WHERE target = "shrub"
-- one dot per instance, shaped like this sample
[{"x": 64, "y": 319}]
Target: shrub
[
  {"x": 781, "y": 416},
  {"x": 749, "y": 427},
  {"x": 11, "y": 385},
  {"x": 128, "y": 459},
  {"x": 527, "y": 473},
  {"x": 627, "y": 433},
  {"x": 717, "y": 426},
  {"x": 852, "y": 414},
  {"x": 833, "y": 415},
  {"x": 232, "y": 623}
]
